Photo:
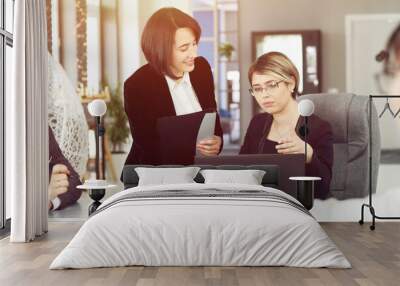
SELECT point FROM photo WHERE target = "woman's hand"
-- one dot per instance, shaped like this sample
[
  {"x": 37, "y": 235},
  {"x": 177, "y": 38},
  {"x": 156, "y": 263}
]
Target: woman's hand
[
  {"x": 294, "y": 145},
  {"x": 209, "y": 147},
  {"x": 58, "y": 181}
]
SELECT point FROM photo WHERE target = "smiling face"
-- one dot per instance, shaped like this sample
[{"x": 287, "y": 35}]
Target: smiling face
[
  {"x": 276, "y": 93},
  {"x": 184, "y": 52}
]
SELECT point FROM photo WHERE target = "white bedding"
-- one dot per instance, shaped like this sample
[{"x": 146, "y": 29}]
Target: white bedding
[{"x": 183, "y": 231}]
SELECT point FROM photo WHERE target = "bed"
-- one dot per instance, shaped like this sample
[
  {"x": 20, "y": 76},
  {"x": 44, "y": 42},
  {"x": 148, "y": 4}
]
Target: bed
[{"x": 201, "y": 224}]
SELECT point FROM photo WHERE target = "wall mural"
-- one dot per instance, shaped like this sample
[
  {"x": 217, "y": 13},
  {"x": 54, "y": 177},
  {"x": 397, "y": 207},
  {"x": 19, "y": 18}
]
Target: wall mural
[{"x": 170, "y": 110}]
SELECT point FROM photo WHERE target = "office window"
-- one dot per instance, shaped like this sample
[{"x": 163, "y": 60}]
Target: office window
[
  {"x": 9, "y": 13},
  {"x": 218, "y": 20},
  {"x": 206, "y": 21},
  {"x": 6, "y": 45}
]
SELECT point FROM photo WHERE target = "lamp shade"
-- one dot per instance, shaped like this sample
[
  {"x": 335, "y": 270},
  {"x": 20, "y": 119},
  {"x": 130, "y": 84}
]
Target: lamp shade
[
  {"x": 305, "y": 107},
  {"x": 97, "y": 107}
]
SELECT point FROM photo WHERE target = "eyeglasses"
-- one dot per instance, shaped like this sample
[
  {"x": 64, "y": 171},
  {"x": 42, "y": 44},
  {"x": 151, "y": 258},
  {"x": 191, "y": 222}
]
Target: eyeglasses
[{"x": 271, "y": 88}]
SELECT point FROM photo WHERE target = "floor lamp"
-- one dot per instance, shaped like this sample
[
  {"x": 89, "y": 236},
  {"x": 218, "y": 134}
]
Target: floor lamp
[
  {"x": 97, "y": 108},
  {"x": 306, "y": 109},
  {"x": 305, "y": 185}
]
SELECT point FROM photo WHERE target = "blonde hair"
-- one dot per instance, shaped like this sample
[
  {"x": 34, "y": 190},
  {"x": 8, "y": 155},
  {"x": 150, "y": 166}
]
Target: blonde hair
[{"x": 277, "y": 64}]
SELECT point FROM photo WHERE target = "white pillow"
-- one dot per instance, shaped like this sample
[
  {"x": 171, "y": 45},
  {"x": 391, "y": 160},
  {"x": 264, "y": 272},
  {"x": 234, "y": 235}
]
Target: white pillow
[
  {"x": 162, "y": 176},
  {"x": 249, "y": 177}
]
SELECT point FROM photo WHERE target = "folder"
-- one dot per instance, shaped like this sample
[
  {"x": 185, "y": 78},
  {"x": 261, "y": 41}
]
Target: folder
[{"x": 178, "y": 136}]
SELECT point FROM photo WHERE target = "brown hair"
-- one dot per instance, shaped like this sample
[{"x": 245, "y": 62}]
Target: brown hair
[
  {"x": 277, "y": 64},
  {"x": 390, "y": 55},
  {"x": 158, "y": 37}
]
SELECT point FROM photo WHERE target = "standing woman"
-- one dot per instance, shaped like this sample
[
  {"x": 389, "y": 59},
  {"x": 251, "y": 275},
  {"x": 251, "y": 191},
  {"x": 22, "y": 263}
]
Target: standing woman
[
  {"x": 174, "y": 82},
  {"x": 274, "y": 82}
]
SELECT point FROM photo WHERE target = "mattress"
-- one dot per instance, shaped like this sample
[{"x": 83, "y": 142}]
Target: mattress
[{"x": 201, "y": 225}]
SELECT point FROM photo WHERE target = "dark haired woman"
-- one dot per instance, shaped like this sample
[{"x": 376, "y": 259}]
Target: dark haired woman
[
  {"x": 274, "y": 82},
  {"x": 174, "y": 82}
]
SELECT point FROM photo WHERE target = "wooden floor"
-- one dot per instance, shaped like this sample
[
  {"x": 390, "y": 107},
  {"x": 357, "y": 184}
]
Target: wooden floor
[{"x": 375, "y": 257}]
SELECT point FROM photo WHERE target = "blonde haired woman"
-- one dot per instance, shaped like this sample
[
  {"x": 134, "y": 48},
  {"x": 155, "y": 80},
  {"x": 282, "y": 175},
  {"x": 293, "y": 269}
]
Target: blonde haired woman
[{"x": 274, "y": 83}]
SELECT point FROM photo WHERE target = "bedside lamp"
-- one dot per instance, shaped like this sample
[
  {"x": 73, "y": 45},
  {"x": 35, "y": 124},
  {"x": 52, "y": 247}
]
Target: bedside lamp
[{"x": 98, "y": 108}]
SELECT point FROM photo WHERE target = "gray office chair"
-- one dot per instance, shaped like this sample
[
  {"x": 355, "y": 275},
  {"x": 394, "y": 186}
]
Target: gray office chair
[{"x": 348, "y": 115}]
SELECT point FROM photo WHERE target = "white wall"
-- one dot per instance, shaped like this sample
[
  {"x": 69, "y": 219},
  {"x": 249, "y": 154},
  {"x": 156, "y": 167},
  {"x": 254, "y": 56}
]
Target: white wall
[{"x": 362, "y": 68}]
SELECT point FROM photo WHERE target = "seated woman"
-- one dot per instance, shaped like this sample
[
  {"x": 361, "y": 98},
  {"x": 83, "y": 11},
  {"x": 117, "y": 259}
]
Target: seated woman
[{"x": 274, "y": 83}]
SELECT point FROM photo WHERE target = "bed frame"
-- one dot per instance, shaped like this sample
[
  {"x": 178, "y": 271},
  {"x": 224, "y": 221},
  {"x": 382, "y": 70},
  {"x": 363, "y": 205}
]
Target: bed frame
[
  {"x": 278, "y": 169},
  {"x": 289, "y": 165},
  {"x": 270, "y": 179}
]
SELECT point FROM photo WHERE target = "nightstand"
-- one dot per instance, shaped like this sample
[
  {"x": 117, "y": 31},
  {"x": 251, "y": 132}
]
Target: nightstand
[
  {"x": 96, "y": 193},
  {"x": 305, "y": 190}
]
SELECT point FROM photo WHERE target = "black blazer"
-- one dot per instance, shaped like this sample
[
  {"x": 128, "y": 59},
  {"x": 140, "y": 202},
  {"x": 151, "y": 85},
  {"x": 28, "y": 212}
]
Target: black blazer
[
  {"x": 147, "y": 98},
  {"x": 319, "y": 137},
  {"x": 56, "y": 157}
]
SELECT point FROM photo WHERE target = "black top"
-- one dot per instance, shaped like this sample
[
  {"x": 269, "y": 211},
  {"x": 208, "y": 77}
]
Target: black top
[
  {"x": 319, "y": 137},
  {"x": 147, "y": 98}
]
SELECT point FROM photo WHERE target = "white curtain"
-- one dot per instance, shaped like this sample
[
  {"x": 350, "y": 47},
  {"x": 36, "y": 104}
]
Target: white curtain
[{"x": 26, "y": 123}]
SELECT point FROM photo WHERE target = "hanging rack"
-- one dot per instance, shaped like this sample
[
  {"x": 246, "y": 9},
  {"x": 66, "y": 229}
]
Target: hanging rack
[
  {"x": 397, "y": 113},
  {"x": 370, "y": 205},
  {"x": 387, "y": 107}
]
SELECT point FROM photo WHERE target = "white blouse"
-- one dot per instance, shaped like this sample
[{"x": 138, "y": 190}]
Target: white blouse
[{"x": 183, "y": 95}]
